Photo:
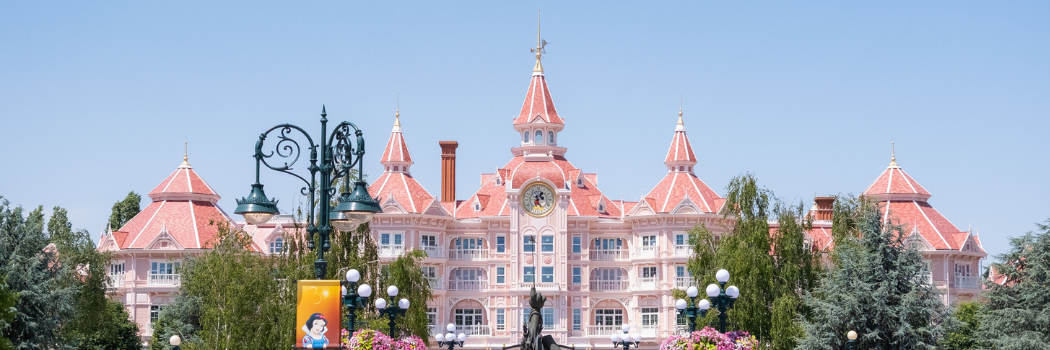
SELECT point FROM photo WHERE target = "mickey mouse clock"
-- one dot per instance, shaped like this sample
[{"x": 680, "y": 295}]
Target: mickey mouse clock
[{"x": 538, "y": 199}]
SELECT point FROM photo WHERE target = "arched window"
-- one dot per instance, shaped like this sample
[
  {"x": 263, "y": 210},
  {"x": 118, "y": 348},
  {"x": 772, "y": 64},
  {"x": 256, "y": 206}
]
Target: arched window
[
  {"x": 395, "y": 168},
  {"x": 550, "y": 137},
  {"x": 680, "y": 168},
  {"x": 477, "y": 206},
  {"x": 497, "y": 181},
  {"x": 539, "y": 136},
  {"x": 526, "y": 136}
]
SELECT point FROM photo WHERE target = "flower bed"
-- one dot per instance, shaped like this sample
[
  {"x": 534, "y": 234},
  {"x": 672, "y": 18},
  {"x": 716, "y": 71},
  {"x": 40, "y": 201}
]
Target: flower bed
[
  {"x": 710, "y": 339},
  {"x": 367, "y": 339}
]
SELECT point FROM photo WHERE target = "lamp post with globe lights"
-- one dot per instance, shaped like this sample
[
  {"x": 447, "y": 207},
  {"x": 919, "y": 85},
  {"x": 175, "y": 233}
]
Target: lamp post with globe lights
[
  {"x": 354, "y": 297},
  {"x": 626, "y": 339},
  {"x": 175, "y": 341},
  {"x": 450, "y": 340},
  {"x": 392, "y": 311},
  {"x": 851, "y": 344},
  {"x": 340, "y": 151},
  {"x": 692, "y": 309}
]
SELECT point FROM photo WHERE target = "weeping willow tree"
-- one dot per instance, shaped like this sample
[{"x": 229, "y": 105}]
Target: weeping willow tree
[{"x": 772, "y": 268}]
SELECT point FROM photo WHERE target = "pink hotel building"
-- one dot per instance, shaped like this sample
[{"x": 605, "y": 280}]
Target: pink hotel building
[{"x": 536, "y": 221}]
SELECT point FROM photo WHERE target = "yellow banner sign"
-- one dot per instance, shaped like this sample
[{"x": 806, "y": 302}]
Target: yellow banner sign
[{"x": 317, "y": 314}]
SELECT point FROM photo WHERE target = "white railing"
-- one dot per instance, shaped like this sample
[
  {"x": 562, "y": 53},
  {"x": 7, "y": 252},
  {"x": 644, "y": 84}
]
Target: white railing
[
  {"x": 391, "y": 249},
  {"x": 435, "y": 330},
  {"x": 468, "y": 254},
  {"x": 682, "y": 282},
  {"x": 474, "y": 330},
  {"x": 647, "y": 282},
  {"x": 681, "y": 329},
  {"x": 683, "y": 250},
  {"x": 436, "y": 283},
  {"x": 115, "y": 280},
  {"x": 609, "y": 285},
  {"x": 649, "y": 331},
  {"x": 164, "y": 279},
  {"x": 647, "y": 251},
  {"x": 603, "y": 330},
  {"x": 539, "y": 285},
  {"x": 433, "y": 251},
  {"x": 966, "y": 282},
  {"x": 608, "y": 254},
  {"x": 468, "y": 285}
]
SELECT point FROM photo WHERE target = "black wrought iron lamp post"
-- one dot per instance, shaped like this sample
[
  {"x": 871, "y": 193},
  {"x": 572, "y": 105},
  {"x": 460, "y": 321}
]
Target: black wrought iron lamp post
[
  {"x": 851, "y": 344},
  {"x": 625, "y": 339},
  {"x": 339, "y": 152},
  {"x": 692, "y": 309},
  {"x": 721, "y": 297},
  {"x": 175, "y": 341},
  {"x": 354, "y": 297},
  {"x": 450, "y": 340},
  {"x": 392, "y": 311}
]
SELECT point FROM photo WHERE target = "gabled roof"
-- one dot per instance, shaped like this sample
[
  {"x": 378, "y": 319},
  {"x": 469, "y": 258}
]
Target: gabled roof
[
  {"x": 538, "y": 106},
  {"x": 184, "y": 207}
]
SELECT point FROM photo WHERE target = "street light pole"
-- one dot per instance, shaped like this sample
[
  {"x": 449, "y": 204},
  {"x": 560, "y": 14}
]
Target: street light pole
[
  {"x": 392, "y": 311},
  {"x": 450, "y": 340},
  {"x": 692, "y": 309},
  {"x": 851, "y": 344},
  {"x": 339, "y": 151},
  {"x": 624, "y": 339},
  {"x": 721, "y": 297},
  {"x": 354, "y": 297}
]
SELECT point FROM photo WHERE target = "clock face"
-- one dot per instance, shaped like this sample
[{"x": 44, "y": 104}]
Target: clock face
[{"x": 538, "y": 199}]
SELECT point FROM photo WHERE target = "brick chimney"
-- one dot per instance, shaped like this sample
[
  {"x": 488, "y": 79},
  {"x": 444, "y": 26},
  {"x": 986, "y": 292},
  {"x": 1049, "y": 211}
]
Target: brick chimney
[
  {"x": 448, "y": 170},
  {"x": 824, "y": 208}
]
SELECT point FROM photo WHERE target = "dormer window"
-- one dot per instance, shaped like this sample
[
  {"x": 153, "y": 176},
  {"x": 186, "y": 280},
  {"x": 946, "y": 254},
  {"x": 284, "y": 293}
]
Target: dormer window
[
  {"x": 277, "y": 246},
  {"x": 680, "y": 168},
  {"x": 550, "y": 137},
  {"x": 497, "y": 181},
  {"x": 477, "y": 206},
  {"x": 579, "y": 182},
  {"x": 539, "y": 136},
  {"x": 601, "y": 208},
  {"x": 395, "y": 168},
  {"x": 526, "y": 136}
]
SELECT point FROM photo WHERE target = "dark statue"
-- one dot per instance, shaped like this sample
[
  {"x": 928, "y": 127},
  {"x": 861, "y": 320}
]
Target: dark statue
[{"x": 531, "y": 338}]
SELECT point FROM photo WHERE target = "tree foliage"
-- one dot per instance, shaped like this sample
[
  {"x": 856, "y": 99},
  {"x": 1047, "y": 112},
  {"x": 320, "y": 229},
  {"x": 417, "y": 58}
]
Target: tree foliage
[
  {"x": 771, "y": 268},
  {"x": 45, "y": 296},
  {"x": 124, "y": 210},
  {"x": 878, "y": 286},
  {"x": 960, "y": 333},
  {"x": 1017, "y": 315},
  {"x": 8, "y": 298}
]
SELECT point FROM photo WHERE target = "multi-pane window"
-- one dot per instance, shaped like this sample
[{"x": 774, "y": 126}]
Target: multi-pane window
[
  {"x": 648, "y": 241},
  {"x": 428, "y": 241},
  {"x": 529, "y": 244},
  {"x": 648, "y": 271},
  {"x": 501, "y": 319},
  {"x": 681, "y": 271},
  {"x": 576, "y": 243},
  {"x": 608, "y": 274},
  {"x": 162, "y": 268},
  {"x": 550, "y": 137},
  {"x": 547, "y": 274},
  {"x": 385, "y": 238},
  {"x": 679, "y": 239},
  {"x": 962, "y": 270},
  {"x": 277, "y": 245},
  {"x": 468, "y": 317},
  {"x": 468, "y": 243},
  {"x": 576, "y": 278},
  {"x": 529, "y": 274},
  {"x": 154, "y": 313},
  {"x": 548, "y": 243},
  {"x": 430, "y": 272},
  {"x": 608, "y": 243},
  {"x": 548, "y": 317},
  {"x": 501, "y": 274},
  {"x": 116, "y": 269},
  {"x": 501, "y": 244},
  {"x": 432, "y": 318},
  {"x": 650, "y": 315},
  {"x": 576, "y": 319},
  {"x": 469, "y": 274},
  {"x": 608, "y": 317}
]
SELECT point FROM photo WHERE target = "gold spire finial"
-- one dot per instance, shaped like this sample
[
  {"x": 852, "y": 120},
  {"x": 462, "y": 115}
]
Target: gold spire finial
[
  {"x": 681, "y": 124},
  {"x": 893, "y": 155},
  {"x": 185, "y": 154},
  {"x": 539, "y": 46}
]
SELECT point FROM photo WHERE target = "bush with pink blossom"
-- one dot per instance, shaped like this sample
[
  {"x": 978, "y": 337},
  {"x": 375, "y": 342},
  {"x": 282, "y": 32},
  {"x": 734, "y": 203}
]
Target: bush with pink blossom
[
  {"x": 710, "y": 339},
  {"x": 367, "y": 339}
]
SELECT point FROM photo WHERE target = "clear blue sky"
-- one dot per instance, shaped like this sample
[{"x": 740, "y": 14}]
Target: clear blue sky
[{"x": 97, "y": 98}]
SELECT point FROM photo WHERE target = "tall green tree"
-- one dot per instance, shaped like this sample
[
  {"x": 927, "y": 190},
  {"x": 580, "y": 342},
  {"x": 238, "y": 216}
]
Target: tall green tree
[
  {"x": 8, "y": 299},
  {"x": 97, "y": 321},
  {"x": 406, "y": 273},
  {"x": 181, "y": 317},
  {"x": 960, "y": 333},
  {"x": 772, "y": 268},
  {"x": 1017, "y": 315},
  {"x": 46, "y": 299},
  {"x": 124, "y": 210},
  {"x": 877, "y": 286}
]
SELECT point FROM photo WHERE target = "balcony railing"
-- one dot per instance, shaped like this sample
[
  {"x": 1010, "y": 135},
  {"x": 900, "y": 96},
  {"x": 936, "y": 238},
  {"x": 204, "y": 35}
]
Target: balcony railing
[
  {"x": 647, "y": 282},
  {"x": 966, "y": 282},
  {"x": 539, "y": 285},
  {"x": 474, "y": 330},
  {"x": 647, "y": 251},
  {"x": 649, "y": 331},
  {"x": 681, "y": 329},
  {"x": 391, "y": 249},
  {"x": 468, "y": 285},
  {"x": 433, "y": 251},
  {"x": 164, "y": 279},
  {"x": 609, "y": 285},
  {"x": 603, "y": 330},
  {"x": 115, "y": 280},
  {"x": 468, "y": 254},
  {"x": 436, "y": 283},
  {"x": 609, "y": 254},
  {"x": 682, "y": 282},
  {"x": 683, "y": 250}
]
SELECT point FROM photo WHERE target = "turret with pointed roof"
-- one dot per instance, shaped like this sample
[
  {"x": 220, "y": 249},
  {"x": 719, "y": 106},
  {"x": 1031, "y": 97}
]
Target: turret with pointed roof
[
  {"x": 680, "y": 190},
  {"x": 396, "y": 189},
  {"x": 538, "y": 123}
]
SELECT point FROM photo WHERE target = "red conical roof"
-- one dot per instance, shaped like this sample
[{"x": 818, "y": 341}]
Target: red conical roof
[
  {"x": 396, "y": 150},
  {"x": 680, "y": 183},
  {"x": 681, "y": 152},
  {"x": 397, "y": 182},
  {"x": 538, "y": 104}
]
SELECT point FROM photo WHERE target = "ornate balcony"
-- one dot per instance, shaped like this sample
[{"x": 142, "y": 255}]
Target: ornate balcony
[
  {"x": 647, "y": 283},
  {"x": 647, "y": 252},
  {"x": 164, "y": 279},
  {"x": 683, "y": 250},
  {"x": 468, "y": 254},
  {"x": 434, "y": 251},
  {"x": 969, "y": 282},
  {"x": 682, "y": 282},
  {"x": 609, "y": 285},
  {"x": 468, "y": 285},
  {"x": 474, "y": 330},
  {"x": 115, "y": 280},
  {"x": 609, "y": 254},
  {"x": 539, "y": 285},
  {"x": 436, "y": 283},
  {"x": 391, "y": 250},
  {"x": 603, "y": 330}
]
